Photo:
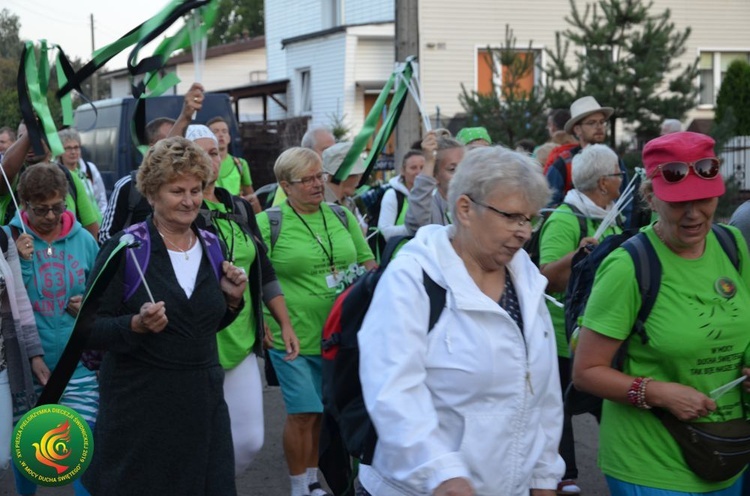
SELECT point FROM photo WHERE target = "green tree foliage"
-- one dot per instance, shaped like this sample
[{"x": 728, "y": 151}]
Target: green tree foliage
[
  {"x": 10, "y": 51},
  {"x": 10, "y": 43},
  {"x": 510, "y": 112},
  {"x": 624, "y": 55},
  {"x": 234, "y": 18},
  {"x": 733, "y": 101}
]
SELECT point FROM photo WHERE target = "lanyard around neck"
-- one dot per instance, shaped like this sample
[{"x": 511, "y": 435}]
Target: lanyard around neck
[{"x": 328, "y": 253}]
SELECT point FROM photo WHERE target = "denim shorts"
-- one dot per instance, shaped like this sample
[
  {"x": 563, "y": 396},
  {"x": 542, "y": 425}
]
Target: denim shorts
[
  {"x": 300, "y": 380},
  {"x": 621, "y": 488}
]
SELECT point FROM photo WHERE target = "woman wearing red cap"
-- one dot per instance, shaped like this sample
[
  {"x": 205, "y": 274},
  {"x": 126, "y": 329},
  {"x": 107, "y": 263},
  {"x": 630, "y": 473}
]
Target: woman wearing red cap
[{"x": 696, "y": 331}]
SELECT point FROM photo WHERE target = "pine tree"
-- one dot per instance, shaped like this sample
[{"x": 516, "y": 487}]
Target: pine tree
[
  {"x": 624, "y": 56},
  {"x": 733, "y": 101},
  {"x": 510, "y": 112}
]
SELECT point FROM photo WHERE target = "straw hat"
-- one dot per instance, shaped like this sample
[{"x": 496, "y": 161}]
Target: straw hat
[{"x": 584, "y": 107}]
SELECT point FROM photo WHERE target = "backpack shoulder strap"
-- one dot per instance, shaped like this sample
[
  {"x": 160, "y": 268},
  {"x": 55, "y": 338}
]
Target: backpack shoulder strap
[
  {"x": 240, "y": 211},
  {"x": 71, "y": 185},
  {"x": 142, "y": 251},
  {"x": 728, "y": 243},
  {"x": 648, "y": 274},
  {"x": 583, "y": 227},
  {"x": 340, "y": 213},
  {"x": 400, "y": 199},
  {"x": 134, "y": 197},
  {"x": 274, "y": 222},
  {"x": 213, "y": 249},
  {"x": 3, "y": 241},
  {"x": 437, "y": 295},
  {"x": 238, "y": 164}
]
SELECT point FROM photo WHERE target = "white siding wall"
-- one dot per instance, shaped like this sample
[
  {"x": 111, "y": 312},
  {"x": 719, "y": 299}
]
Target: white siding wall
[
  {"x": 286, "y": 19},
  {"x": 456, "y": 33},
  {"x": 373, "y": 60},
  {"x": 326, "y": 59},
  {"x": 227, "y": 71},
  {"x": 364, "y": 11}
]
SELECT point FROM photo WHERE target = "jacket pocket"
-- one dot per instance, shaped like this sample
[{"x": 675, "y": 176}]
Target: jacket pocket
[{"x": 486, "y": 449}]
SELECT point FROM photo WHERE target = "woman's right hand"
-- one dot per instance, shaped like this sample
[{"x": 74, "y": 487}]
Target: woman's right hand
[
  {"x": 684, "y": 402},
  {"x": 25, "y": 246},
  {"x": 429, "y": 146},
  {"x": 458, "y": 486},
  {"x": 587, "y": 242},
  {"x": 151, "y": 318}
]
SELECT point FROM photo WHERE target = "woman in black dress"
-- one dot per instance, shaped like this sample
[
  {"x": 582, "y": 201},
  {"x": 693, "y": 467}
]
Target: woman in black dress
[{"x": 163, "y": 425}]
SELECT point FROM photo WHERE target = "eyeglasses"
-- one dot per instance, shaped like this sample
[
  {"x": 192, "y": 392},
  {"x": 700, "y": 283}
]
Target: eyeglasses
[
  {"x": 515, "y": 218},
  {"x": 616, "y": 174},
  {"x": 307, "y": 181},
  {"x": 601, "y": 123},
  {"x": 675, "y": 172},
  {"x": 73, "y": 148},
  {"x": 56, "y": 209}
]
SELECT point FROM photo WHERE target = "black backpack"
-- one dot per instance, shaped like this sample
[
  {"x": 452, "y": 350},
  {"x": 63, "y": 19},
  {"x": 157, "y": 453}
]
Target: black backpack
[
  {"x": 648, "y": 276},
  {"x": 532, "y": 245},
  {"x": 371, "y": 201},
  {"x": 342, "y": 390}
]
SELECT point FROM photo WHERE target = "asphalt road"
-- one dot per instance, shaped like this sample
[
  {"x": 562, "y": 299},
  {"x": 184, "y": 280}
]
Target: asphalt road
[{"x": 268, "y": 476}]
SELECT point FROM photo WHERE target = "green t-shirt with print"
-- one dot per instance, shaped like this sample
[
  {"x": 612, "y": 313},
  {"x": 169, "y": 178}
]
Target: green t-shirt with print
[
  {"x": 561, "y": 234},
  {"x": 301, "y": 260},
  {"x": 229, "y": 175},
  {"x": 237, "y": 340},
  {"x": 698, "y": 336}
]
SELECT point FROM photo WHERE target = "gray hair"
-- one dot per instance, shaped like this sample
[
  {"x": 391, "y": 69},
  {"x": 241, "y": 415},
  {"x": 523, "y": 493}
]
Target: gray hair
[
  {"x": 484, "y": 169},
  {"x": 590, "y": 164},
  {"x": 69, "y": 134},
  {"x": 671, "y": 126},
  {"x": 310, "y": 139},
  {"x": 294, "y": 160}
]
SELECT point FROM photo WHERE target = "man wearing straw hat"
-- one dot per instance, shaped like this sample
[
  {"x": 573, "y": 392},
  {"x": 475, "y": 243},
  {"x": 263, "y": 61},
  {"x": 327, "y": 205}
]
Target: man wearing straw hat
[{"x": 588, "y": 122}]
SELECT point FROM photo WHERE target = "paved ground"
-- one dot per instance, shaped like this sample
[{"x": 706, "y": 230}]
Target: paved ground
[{"x": 268, "y": 476}]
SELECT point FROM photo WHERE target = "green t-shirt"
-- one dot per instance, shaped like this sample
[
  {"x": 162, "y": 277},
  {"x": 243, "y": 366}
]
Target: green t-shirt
[
  {"x": 697, "y": 337},
  {"x": 229, "y": 175},
  {"x": 85, "y": 211},
  {"x": 561, "y": 234},
  {"x": 302, "y": 267},
  {"x": 237, "y": 340}
]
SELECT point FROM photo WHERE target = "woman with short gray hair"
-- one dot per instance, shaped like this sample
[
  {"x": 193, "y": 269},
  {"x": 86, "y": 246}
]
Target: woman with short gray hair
[
  {"x": 86, "y": 171},
  {"x": 596, "y": 179},
  {"x": 471, "y": 406}
]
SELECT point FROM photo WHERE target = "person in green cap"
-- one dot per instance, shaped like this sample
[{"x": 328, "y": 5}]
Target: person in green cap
[{"x": 472, "y": 137}]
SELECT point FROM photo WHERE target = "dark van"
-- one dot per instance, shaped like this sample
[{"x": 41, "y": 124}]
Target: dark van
[{"x": 106, "y": 133}]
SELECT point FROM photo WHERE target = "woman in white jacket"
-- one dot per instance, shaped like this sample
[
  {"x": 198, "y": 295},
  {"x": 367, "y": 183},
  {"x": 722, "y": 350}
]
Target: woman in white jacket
[
  {"x": 473, "y": 408},
  {"x": 391, "y": 219}
]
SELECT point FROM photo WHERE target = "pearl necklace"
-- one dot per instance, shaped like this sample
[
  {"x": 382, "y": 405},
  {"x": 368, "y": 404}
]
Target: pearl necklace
[{"x": 184, "y": 252}]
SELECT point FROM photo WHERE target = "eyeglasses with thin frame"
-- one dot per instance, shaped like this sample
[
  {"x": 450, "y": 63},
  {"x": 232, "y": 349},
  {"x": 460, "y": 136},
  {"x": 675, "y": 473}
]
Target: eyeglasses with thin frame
[
  {"x": 74, "y": 148},
  {"x": 615, "y": 174},
  {"x": 600, "y": 123},
  {"x": 307, "y": 181},
  {"x": 42, "y": 211},
  {"x": 515, "y": 218},
  {"x": 674, "y": 172}
]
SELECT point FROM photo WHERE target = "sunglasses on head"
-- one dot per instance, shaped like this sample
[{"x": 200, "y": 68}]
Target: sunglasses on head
[{"x": 675, "y": 172}]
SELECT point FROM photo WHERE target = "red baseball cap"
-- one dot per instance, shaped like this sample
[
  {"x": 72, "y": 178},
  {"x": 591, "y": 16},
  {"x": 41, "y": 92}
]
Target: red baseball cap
[{"x": 681, "y": 147}]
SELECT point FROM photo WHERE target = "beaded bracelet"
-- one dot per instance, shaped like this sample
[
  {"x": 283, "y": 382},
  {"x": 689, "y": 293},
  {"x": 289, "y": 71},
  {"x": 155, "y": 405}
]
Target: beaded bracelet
[{"x": 637, "y": 392}]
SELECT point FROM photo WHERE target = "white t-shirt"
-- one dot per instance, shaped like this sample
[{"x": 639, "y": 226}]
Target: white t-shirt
[{"x": 185, "y": 265}]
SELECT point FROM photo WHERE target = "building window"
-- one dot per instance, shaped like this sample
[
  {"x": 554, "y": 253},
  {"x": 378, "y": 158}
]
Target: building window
[
  {"x": 519, "y": 68},
  {"x": 304, "y": 92},
  {"x": 332, "y": 13},
  {"x": 712, "y": 67}
]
